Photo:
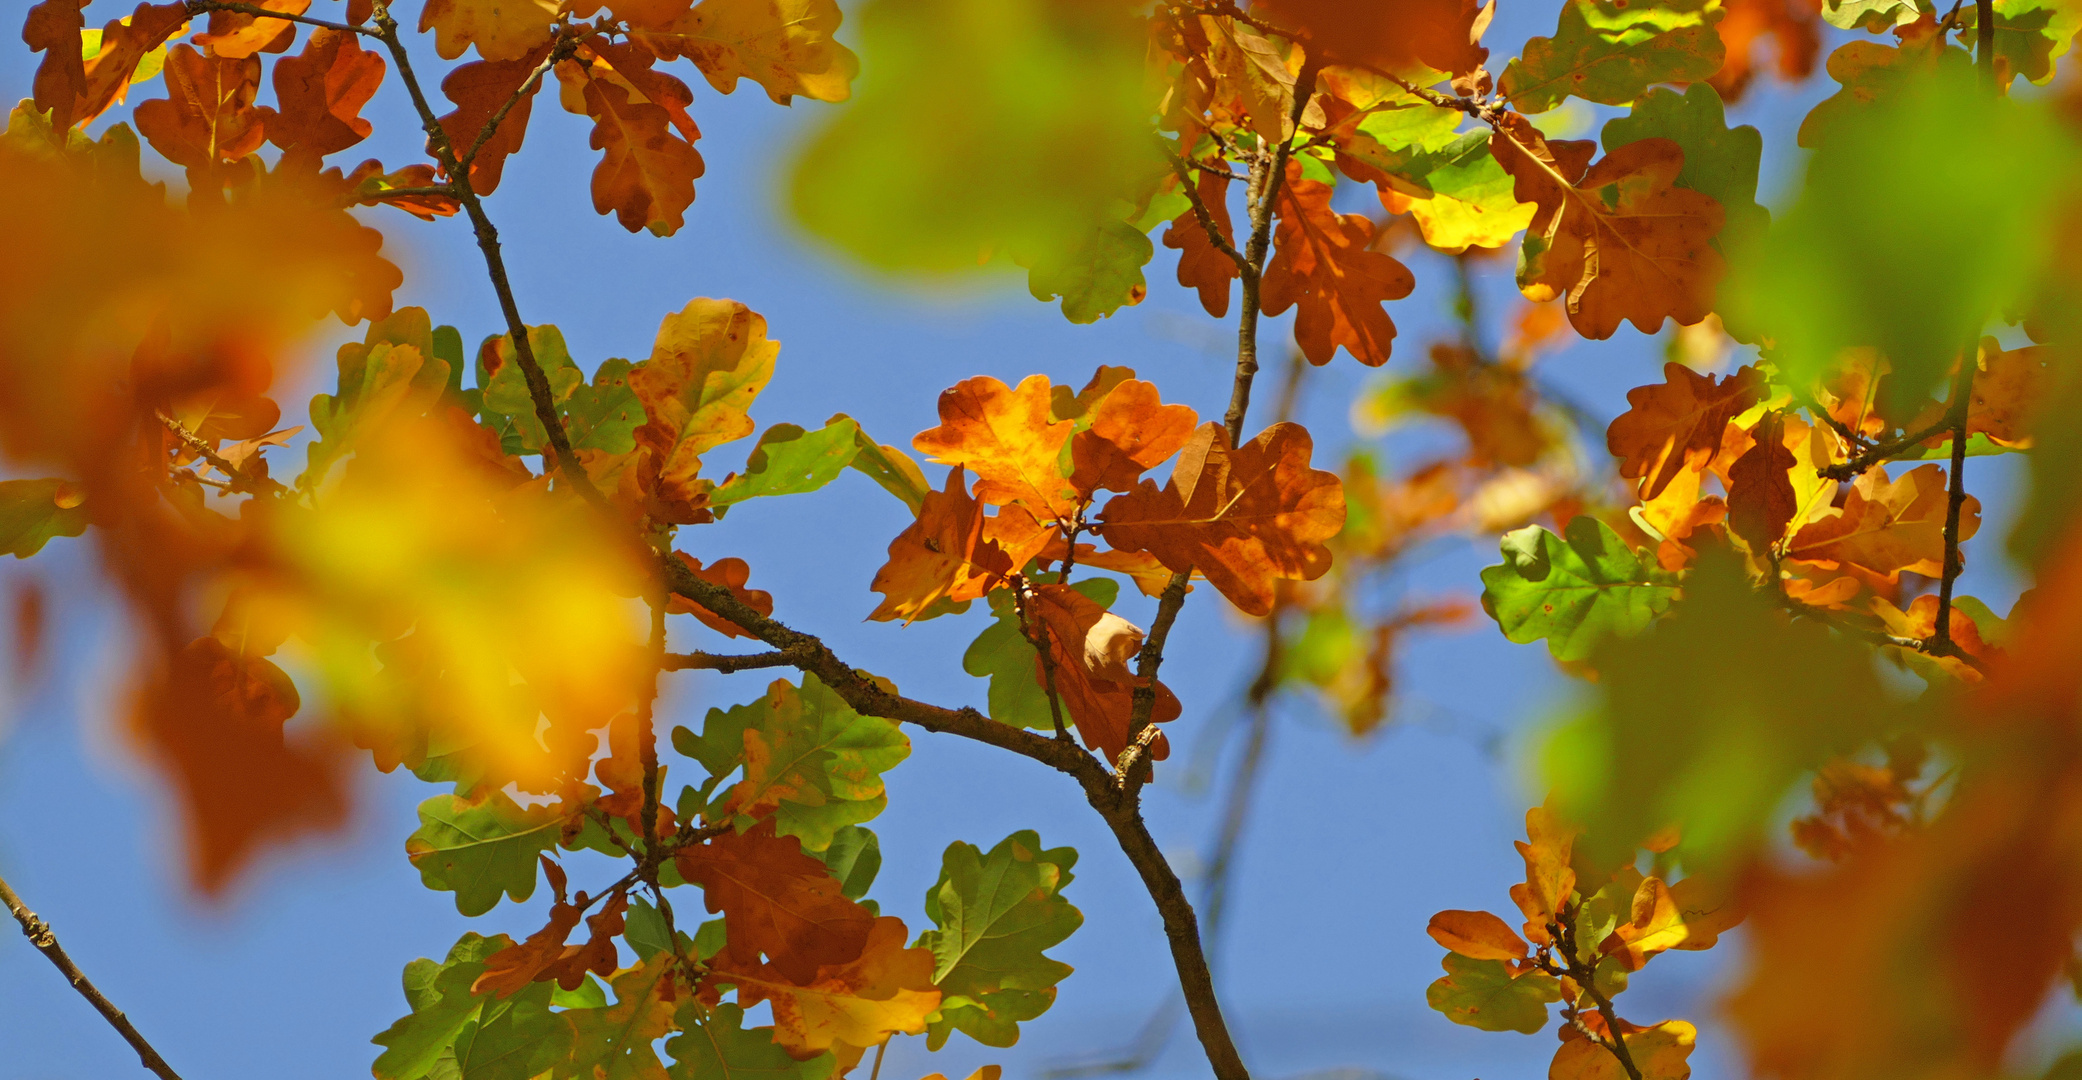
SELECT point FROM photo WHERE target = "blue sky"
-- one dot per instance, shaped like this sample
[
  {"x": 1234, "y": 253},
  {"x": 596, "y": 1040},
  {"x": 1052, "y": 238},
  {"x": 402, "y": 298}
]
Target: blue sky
[{"x": 1350, "y": 850}]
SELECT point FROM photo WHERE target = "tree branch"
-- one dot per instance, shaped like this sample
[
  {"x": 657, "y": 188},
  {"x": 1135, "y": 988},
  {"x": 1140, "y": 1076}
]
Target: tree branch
[
  {"x": 701, "y": 661},
  {"x": 647, "y": 735},
  {"x": 39, "y": 934},
  {"x": 1888, "y": 451},
  {"x": 202, "y": 449},
  {"x": 1962, "y": 402},
  {"x": 199, "y": 7},
  {"x": 1132, "y": 768},
  {"x": 1205, "y": 217},
  {"x": 1267, "y": 177}
]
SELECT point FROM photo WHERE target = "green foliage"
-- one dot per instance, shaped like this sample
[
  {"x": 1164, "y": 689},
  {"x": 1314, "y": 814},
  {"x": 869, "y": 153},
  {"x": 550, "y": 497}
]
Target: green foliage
[
  {"x": 34, "y": 511},
  {"x": 603, "y": 416},
  {"x": 1609, "y": 51},
  {"x": 1718, "y": 161},
  {"x": 1861, "y": 262},
  {"x": 715, "y": 1045},
  {"x": 1483, "y": 994},
  {"x": 1096, "y": 270},
  {"x": 452, "y": 1033},
  {"x": 855, "y": 857},
  {"x": 1653, "y": 751},
  {"x": 1002, "y": 654},
  {"x": 479, "y": 849},
  {"x": 2029, "y": 35},
  {"x": 807, "y": 758},
  {"x": 508, "y": 406},
  {"x": 394, "y": 374},
  {"x": 1576, "y": 589},
  {"x": 995, "y": 914},
  {"x": 1877, "y": 16},
  {"x": 791, "y": 461}
]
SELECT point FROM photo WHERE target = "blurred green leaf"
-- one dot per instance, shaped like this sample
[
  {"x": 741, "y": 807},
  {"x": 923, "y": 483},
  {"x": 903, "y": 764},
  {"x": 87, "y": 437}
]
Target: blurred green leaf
[
  {"x": 1609, "y": 51},
  {"x": 2029, "y": 34},
  {"x": 34, "y": 511}
]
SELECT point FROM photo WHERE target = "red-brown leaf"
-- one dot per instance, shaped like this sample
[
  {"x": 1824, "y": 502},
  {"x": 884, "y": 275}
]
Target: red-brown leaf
[{"x": 1322, "y": 262}]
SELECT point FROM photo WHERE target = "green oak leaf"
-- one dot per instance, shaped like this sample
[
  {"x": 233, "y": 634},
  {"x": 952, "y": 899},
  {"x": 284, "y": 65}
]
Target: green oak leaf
[
  {"x": 855, "y": 857},
  {"x": 394, "y": 373},
  {"x": 1876, "y": 16},
  {"x": 1096, "y": 269},
  {"x": 791, "y": 461},
  {"x": 2029, "y": 34},
  {"x": 603, "y": 416},
  {"x": 508, "y": 407},
  {"x": 1718, "y": 160},
  {"x": 34, "y": 511},
  {"x": 1482, "y": 994},
  {"x": 646, "y": 933},
  {"x": 714, "y": 1044},
  {"x": 994, "y": 915},
  {"x": 619, "y": 1041},
  {"x": 452, "y": 1033},
  {"x": 1576, "y": 589},
  {"x": 809, "y": 761},
  {"x": 896, "y": 471},
  {"x": 1002, "y": 654},
  {"x": 1609, "y": 51},
  {"x": 1459, "y": 195},
  {"x": 1652, "y": 751},
  {"x": 480, "y": 848}
]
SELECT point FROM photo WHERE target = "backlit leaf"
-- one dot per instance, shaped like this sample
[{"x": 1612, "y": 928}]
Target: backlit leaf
[
  {"x": 1484, "y": 994},
  {"x": 479, "y": 849},
  {"x": 1576, "y": 589},
  {"x": 1610, "y": 51},
  {"x": 995, "y": 914}
]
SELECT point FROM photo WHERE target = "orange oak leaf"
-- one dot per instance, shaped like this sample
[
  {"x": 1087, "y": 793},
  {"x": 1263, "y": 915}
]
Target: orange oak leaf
[
  {"x": 369, "y": 185},
  {"x": 1090, "y": 648},
  {"x": 480, "y": 89},
  {"x": 788, "y": 47},
  {"x": 622, "y": 772},
  {"x": 1761, "y": 500},
  {"x": 637, "y": 13},
  {"x": 1887, "y": 526},
  {"x": 1395, "y": 34},
  {"x": 1477, "y": 935},
  {"x": 710, "y": 360},
  {"x": 214, "y": 719},
  {"x": 512, "y": 968},
  {"x": 1661, "y": 1052},
  {"x": 943, "y": 556},
  {"x": 501, "y": 29},
  {"x": 731, "y": 574},
  {"x": 1146, "y": 570},
  {"x": 53, "y": 28},
  {"x": 887, "y": 990},
  {"x": 1690, "y": 915},
  {"x": 1793, "y": 26},
  {"x": 1023, "y": 537},
  {"x": 646, "y": 175},
  {"x": 1243, "y": 518},
  {"x": 208, "y": 116},
  {"x": 103, "y": 79},
  {"x": 2009, "y": 388},
  {"x": 1549, "y": 878},
  {"x": 235, "y": 35},
  {"x": 634, "y": 70},
  {"x": 1131, "y": 432},
  {"x": 1858, "y": 806},
  {"x": 777, "y": 901},
  {"x": 1919, "y": 622},
  {"x": 1201, "y": 265},
  {"x": 1323, "y": 262},
  {"x": 1008, "y": 438},
  {"x": 598, "y": 954},
  {"x": 1617, "y": 240},
  {"x": 321, "y": 92},
  {"x": 1678, "y": 424}
]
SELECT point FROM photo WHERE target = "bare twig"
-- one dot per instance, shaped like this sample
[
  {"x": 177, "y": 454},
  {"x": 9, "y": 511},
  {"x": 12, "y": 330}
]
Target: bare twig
[
  {"x": 1268, "y": 177},
  {"x": 201, "y": 7},
  {"x": 1927, "y": 646},
  {"x": 1585, "y": 975},
  {"x": 1888, "y": 451},
  {"x": 202, "y": 449},
  {"x": 39, "y": 934},
  {"x": 1132, "y": 767},
  {"x": 647, "y": 734},
  {"x": 1962, "y": 401},
  {"x": 1205, "y": 216},
  {"x": 701, "y": 661}
]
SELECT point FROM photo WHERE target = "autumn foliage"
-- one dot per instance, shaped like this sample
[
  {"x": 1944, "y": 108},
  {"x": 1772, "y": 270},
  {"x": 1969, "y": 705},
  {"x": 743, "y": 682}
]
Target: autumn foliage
[{"x": 474, "y": 570}]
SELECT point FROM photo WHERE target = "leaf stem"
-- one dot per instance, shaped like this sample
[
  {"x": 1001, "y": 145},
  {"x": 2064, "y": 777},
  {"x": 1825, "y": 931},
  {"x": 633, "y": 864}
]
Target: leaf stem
[
  {"x": 1888, "y": 451},
  {"x": 39, "y": 934}
]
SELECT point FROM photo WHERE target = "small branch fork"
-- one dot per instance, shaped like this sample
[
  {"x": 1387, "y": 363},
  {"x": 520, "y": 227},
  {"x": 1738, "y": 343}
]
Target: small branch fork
[
  {"x": 39, "y": 934},
  {"x": 1563, "y": 932}
]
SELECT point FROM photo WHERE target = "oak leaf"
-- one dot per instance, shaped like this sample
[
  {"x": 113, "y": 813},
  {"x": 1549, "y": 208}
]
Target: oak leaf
[
  {"x": 619, "y": 1041},
  {"x": 501, "y": 29},
  {"x": 511, "y": 969},
  {"x": 103, "y": 78},
  {"x": 777, "y": 901},
  {"x": 1761, "y": 499},
  {"x": 1487, "y": 994},
  {"x": 1661, "y": 1052},
  {"x": 1201, "y": 265},
  {"x": 646, "y": 176},
  {"x": 2010, "y": 387},
  {"x": 480, "y": 848},
  {"x": 1243, "y": 518},
  {"x": 1618, "y": 240},
  {"x": 450, "y": 1028},
  {"x": 1477, "y": 935},
  {"x": 941, "y": 559},
  {"x": 887, "y": 990},
  {"x": 1009, "y": 438},
  {"x": 235, "y": 35},
  {"x": 1690, "y": 915},
  {"x": 710, "y": 360},
  {"x": 479, "y": 89},
  {"x": 208, "y": 116},
  {"x": 320, "y": 93},
  {"x": 1678, "y": 424},
  {"x": 716, "y": 1046},
  {"x": 53, "y": 27},
  {"x": 1323, "y": 261},
  {"x": 994, "y": 914},
  {"x": 1090, "y": 648},
  {"x": 1550, "y": 877},
  {"x": 732, "y": 574},
  {"x": 1793, "y": 27},
  {"x": 1130, "y": 432},
  {"x": 1609, "y": 51},
  {"x": 1576, "y": 590},
  {"x": 788, "y": 47},
  {"x": 1396, "y": 34},
  {"x": 369, "y": 185},
  {"x": 1975, "y": 629},
  {"x": 1887, "y": 526}
]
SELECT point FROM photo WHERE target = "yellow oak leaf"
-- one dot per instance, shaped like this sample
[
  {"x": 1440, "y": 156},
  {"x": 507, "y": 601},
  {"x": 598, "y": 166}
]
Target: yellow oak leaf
[
  {"x": 709, "y": 362},
  {"x": 788, "y": 47},
  {"x": 501, "y": 29},
  {"x": 888, "y": 990}
]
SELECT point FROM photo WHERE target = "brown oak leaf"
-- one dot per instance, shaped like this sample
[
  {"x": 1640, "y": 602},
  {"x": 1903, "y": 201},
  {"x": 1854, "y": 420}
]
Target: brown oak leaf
[
  {"x": 887, "y": 989},
  {"x": 1678, "y": 424},
  {"x": 321, "y": 91},
  {"x": 646, "y": 175},
  {"x": 731, "y": 574},
  {"x": 1091, "y": 647},
  {"x": 1887, "y": 526},
  {"x": 942, "y": 556},
  {"x": 1395, "y": 34},
  {"x": 1131, "y": 432},
  {"x": 235, "y": 35},
  {"x": 1201, "y": 265},
  {"x": 480, "y": 89},
  {"x": 208, "y": 117},
  {"x": 1323, "y": 263},
  {"x": 777, "y": 901},
  {"x": 1761, "y": 500}
]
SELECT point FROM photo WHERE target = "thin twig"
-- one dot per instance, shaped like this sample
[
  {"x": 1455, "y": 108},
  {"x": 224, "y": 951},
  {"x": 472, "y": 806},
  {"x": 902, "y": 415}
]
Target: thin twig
[
  {"x": 1984, "y": 43},
  {"x": 647, "y": 734},
  {"x": 39, "y": 934},
  {"x": 1267, "y": 180},
  {"x": 1205, "y": 216},
  {"x": 701, "y": 661},
  {"x": 1132, "y": 767},
  {"x": 199, "y": 7},
  {"x": 1927, "y": 646},
  {"x": 1962, "y": 402},
  {"x": 567, "y": 43},
  {"x": 202, "y": 449},
  {"x": 1585, "y": 975},
  {"x": 1886, "y": 451}
]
